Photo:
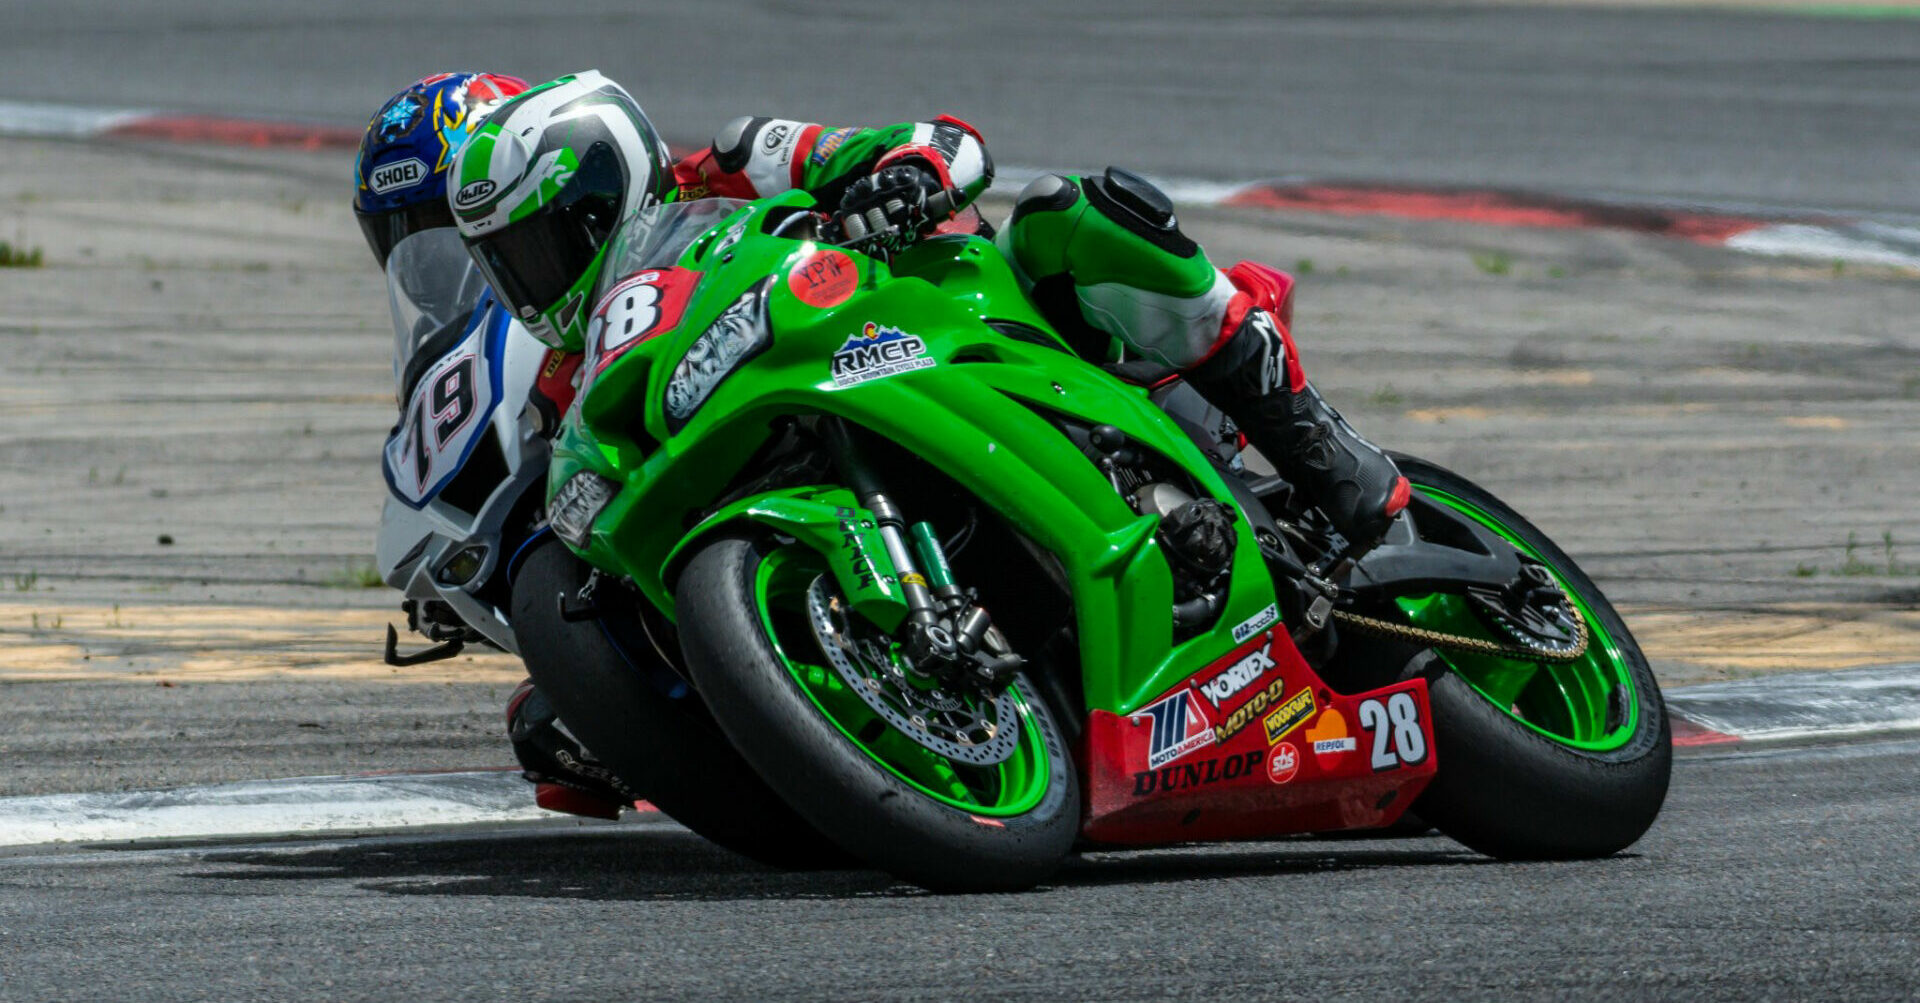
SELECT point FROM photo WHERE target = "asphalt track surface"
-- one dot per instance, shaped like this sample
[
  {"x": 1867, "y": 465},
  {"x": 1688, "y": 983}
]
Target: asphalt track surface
[
  {"x": 1723, "y": 105},
  {"x": 1653, "y": 379},
  {"x": 1771, "y": 875}
]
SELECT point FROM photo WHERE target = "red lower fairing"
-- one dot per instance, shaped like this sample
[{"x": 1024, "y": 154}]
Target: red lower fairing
[{"x": 1256, "y": 744}]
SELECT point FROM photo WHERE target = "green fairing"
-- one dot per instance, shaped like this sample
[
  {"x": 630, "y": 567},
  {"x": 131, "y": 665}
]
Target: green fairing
[
  {"x": 833, "y": 524},
  {"x": 971, "y": 415}
]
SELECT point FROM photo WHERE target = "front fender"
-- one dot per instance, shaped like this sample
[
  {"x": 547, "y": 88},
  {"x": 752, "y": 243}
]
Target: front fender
[{"x": 832, "y": 523}]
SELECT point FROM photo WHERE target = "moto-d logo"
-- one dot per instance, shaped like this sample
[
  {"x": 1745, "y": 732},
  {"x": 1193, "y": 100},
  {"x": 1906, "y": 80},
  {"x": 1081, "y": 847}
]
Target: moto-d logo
[
  {"x": 1180, "y": 726},
  {"x": 878, "y": 351},
  {"x": 405, "y": 174}
]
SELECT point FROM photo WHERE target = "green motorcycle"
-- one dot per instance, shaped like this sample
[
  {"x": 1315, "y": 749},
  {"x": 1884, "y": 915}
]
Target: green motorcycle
[{"x": 918, "y": 563}]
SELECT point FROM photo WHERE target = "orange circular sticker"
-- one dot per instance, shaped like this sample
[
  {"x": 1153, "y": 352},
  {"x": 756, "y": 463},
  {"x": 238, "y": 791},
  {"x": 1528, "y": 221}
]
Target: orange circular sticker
[
  {"x": 826, "y": 278},
  {"x": 1283, "y": 763}
]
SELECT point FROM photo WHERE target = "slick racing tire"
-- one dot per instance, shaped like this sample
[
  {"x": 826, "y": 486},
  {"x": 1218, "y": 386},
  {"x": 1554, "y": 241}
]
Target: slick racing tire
[
  {"x": 755, "y": 660},
  {"x": 1525, "y": 776},
  {"x": 668, "y": 750}
]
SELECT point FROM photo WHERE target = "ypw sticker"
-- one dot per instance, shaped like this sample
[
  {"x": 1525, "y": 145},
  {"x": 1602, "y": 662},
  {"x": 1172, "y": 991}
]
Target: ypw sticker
[
  {"x": 1257, "y": 623},
  {"x": 1200, "y": 774},
  {"x": 1180, "y": 726},
  {"x": 877, "y": 352},
  {"x": 1329, "y": 735},
  {"x": 825, "y": 279},
  {"x": 1291, "y": 715},
  {"x": 405, "y": 174},
  {"x": 1237, "y": 677},
  {"x": 475, "y": 193}
]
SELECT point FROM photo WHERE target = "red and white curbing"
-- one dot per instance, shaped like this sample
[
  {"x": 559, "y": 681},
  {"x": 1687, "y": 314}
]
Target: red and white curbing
[
  {"x": 1803, "y": 705},
  {"x": 1798, "y": 705},
  {"x": 302, "y": 806},
  {"x": 1823, "y": 238}
]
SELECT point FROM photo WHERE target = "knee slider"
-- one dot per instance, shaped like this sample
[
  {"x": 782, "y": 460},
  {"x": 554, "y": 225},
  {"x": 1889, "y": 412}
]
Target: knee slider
[
  {"x": 1141, "y": 209},
  {"x": 1046, "y": 193}
]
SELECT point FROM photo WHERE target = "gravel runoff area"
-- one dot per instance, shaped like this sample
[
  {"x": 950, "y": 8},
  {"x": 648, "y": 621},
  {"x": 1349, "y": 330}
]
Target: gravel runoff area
[{"x": 197, "y": 383}]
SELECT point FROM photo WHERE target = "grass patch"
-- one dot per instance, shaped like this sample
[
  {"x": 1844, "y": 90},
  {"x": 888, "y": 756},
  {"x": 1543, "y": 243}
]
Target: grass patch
[
  {"x": 1385, "y": 394},
  {"x": 1303, "y": 267},
  {"x": 357, "y": 575},
  {"x": 26, "y": 582},
  {"x": 1493, "y": 262},
  {"x": 1856, "y": 564},
  {"x": 20, "y": 257}
]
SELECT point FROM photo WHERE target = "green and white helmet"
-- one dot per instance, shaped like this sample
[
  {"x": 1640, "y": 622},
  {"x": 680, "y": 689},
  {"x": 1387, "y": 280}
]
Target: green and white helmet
[{"x": 540, "y": 187}]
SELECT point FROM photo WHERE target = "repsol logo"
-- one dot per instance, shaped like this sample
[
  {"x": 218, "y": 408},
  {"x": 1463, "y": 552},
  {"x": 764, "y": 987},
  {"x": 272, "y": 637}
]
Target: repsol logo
[
  {"x": 1237, "y": 677},
  {"x": 404, "y": 174},
  {"x": 1197, "y": 774}
]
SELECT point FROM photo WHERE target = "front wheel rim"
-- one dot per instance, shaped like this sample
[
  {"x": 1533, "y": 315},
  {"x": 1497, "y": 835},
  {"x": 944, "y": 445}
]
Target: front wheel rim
[{"x": 1013, "y": 786}]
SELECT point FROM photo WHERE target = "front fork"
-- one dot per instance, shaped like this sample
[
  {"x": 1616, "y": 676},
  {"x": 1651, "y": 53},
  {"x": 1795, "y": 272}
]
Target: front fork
[{"x": 947, "y": 635}]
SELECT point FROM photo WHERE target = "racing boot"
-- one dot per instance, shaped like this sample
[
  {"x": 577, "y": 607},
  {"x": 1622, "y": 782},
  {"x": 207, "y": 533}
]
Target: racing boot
[
  {"x": 565, "y": 776},
  {"x": 1254, "y": 375}
]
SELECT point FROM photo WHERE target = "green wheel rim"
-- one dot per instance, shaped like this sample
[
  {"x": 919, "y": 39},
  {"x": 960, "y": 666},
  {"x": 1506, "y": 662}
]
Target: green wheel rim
[
  {"x": 1590, "y": 703},
  {"x": 1009, "y": 788}
]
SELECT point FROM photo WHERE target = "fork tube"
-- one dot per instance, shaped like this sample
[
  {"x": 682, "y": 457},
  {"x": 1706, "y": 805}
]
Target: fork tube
[{"x": 892, "y": 525}]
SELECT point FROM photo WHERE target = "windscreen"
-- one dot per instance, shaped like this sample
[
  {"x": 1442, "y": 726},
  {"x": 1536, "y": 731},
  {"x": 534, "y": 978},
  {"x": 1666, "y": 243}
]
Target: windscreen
[
  {"x": 656, "y": 236},
  {"x": 432, "y": 285}
]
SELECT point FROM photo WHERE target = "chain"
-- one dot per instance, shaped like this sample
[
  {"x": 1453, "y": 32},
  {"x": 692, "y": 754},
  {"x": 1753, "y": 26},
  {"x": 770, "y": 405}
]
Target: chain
[{"x": 1436, "y": 639}]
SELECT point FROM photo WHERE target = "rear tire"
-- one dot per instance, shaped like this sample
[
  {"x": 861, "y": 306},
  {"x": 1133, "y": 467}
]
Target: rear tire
[
  {"x": 837, "y": 785},
  {"x": 669, "y": 750},
  {"x": 1510, "y": 791}
]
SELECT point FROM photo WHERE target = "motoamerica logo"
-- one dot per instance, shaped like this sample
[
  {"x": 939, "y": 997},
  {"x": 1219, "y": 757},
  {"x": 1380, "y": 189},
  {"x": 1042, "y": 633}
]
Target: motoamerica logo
[
  {"x": 1200, "y": 774},
  {"x": 1179, "y": 726},
  {"x": 876, "y": 352}
]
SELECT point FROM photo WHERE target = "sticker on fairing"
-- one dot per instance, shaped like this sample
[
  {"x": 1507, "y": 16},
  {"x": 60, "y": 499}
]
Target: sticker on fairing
[
  {"x": 826, "y": 278},
  {"x": 445, "y": 416},
  {"x": 878, "y": 351},
  {"x": 1180, "y": 727},
  {"x": 641, "y": 306},
  {"x": 1256, "y": 623}
]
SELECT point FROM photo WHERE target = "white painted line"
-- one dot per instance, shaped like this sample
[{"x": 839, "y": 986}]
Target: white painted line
[
  {"x": 1864, "y": 243},
  {"x": 271, "y": 807},
  {"x": 1806, "y": 704},
  {"x": 62, "y": 121}
]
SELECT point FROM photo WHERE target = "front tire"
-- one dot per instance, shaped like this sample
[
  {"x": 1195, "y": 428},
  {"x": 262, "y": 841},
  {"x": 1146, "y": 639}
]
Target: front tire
[
  {"x": 1516, "y": 779},
  {"x": 669, "y": 750},
  {"x": 750, "y": 673}
]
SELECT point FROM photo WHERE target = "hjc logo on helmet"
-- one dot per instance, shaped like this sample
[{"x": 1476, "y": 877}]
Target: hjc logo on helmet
[
  {"x": 473, "y": 194},
  {"x": 406, "y": 173}
]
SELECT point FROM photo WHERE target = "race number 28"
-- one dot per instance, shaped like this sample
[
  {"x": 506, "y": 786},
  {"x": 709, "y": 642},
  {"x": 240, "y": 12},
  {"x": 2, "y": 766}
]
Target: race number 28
[{"x": 1395, "y": 726}]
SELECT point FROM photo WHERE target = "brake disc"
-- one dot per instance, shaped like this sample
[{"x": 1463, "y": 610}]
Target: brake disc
[{"x": 962, "y": 726}]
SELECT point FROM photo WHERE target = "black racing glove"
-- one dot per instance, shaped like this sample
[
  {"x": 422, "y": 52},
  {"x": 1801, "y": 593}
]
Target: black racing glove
[{"x": 890, "y": 208}]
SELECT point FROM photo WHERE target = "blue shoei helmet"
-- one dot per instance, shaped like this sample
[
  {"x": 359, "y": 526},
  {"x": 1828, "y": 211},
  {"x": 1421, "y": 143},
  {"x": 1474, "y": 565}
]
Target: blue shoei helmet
[{"x": 401, "y": 172}]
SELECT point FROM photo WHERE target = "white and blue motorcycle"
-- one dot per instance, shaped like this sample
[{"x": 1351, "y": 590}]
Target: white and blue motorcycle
[{"x": 463, "y": 535}]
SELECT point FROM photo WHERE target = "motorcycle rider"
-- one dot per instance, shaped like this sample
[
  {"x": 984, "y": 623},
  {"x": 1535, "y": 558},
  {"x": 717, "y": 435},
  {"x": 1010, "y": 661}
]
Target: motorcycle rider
[
  {"x": 541, "y": 188},
  {"x": 401, "y": 189},
  {"x": 543, "y": 184}
]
